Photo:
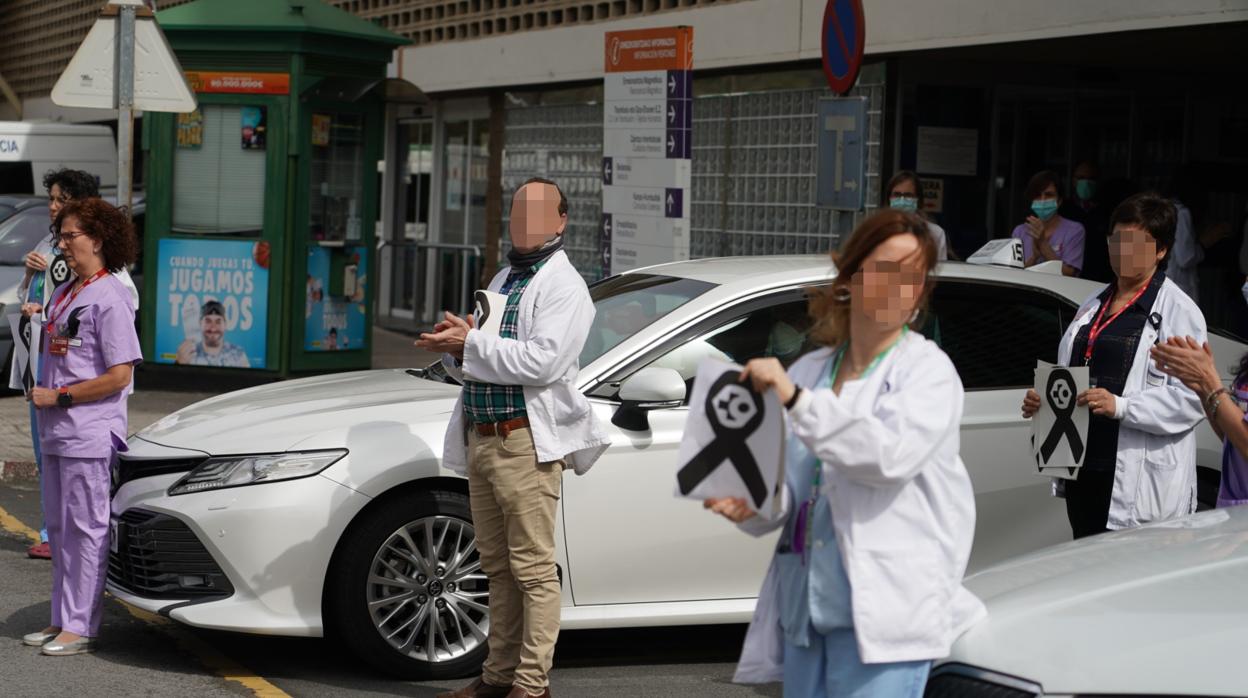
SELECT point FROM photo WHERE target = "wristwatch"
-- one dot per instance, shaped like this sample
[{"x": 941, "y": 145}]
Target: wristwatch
[{"x": 63, "y": 398}]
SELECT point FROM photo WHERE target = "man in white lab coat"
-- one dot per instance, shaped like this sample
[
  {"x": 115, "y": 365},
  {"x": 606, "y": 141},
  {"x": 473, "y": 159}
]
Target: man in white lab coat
[{"x": 519, "y": 423}]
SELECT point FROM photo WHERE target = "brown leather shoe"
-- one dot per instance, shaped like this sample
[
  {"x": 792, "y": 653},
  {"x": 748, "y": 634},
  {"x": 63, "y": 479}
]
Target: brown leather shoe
[
  {"x": 478, "y": 689},
  {"x": 518, "y": 692}
]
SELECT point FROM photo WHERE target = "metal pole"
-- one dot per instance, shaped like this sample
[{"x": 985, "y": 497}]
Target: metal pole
[{"x": 125, "y": 105}]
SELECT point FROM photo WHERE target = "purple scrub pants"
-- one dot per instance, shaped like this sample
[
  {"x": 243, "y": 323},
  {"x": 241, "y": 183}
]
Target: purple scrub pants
[{"x": 76, "y": 506}]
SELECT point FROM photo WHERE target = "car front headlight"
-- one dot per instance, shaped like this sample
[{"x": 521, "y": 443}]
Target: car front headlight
[{"x": 237, "y": 471}]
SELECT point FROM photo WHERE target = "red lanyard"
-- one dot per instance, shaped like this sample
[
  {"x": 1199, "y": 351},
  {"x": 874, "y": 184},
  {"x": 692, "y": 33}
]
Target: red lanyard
[
  {"x": 1097, "y": 326},
  {"x": 67, "y": 299}
]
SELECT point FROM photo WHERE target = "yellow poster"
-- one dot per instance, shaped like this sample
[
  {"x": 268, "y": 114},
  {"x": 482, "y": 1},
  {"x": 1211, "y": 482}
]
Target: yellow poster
[
  {"x": 191, "y": 129},
  {"x": 320, "y": 129}
]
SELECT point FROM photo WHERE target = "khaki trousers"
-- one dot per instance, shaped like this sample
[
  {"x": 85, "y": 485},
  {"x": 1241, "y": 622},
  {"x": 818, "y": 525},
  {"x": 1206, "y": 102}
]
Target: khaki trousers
[{"x": 513, "y": 500}]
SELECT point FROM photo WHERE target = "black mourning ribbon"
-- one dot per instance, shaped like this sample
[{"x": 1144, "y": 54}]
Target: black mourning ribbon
[
  {"x": 483, "y": 308},
  {"x": 24, "y": 332},
  {"x": 1063, "y": 425},
  {"x": 728, "y": 444},
  {"x": 71, "y": 323}
]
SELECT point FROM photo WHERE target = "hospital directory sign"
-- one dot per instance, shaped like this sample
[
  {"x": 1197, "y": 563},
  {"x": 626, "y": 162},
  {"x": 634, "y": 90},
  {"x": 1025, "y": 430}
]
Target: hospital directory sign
[{"x": 647, "y": 147}]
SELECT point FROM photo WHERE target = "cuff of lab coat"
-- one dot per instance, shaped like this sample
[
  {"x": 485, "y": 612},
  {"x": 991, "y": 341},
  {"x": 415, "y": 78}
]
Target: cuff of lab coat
[
  {"x": 1120, "y": 407},
  {"x": 804, "y": 399}
]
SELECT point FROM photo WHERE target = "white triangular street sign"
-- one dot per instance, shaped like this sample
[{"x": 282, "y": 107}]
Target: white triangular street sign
[{"x": 159, "y": 84}]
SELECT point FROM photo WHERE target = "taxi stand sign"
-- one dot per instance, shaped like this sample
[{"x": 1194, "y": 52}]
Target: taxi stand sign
[{"x": 842, "y": 153}]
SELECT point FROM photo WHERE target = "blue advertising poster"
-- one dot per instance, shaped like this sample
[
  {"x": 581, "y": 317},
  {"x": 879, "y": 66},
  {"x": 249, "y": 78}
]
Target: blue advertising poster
[
  {"x": 212, "y": 303},
  {"x": 335, "y": 324}
]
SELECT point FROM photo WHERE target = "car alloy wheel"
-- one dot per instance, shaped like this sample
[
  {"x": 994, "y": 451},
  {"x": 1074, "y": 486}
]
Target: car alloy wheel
[{"x": 426, "y": 593}]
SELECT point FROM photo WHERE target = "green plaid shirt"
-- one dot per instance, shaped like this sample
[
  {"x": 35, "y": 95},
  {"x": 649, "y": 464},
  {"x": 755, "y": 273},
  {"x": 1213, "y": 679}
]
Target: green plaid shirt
[{"x": 486, "y": 403}]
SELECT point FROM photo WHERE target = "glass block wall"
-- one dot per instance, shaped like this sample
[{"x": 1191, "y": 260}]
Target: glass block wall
[{"x": 754, "y": 164}]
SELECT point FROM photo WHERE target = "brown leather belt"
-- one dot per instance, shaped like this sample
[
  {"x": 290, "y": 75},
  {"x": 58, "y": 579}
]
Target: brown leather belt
[{"x": 501, "y": 428}]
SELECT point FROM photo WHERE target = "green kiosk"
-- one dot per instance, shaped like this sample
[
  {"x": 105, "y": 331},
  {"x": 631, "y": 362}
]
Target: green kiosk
[{"x": 261, "y": 204}]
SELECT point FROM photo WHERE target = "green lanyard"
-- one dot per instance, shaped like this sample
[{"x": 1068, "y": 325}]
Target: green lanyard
[{"x": 836, "y": 369}]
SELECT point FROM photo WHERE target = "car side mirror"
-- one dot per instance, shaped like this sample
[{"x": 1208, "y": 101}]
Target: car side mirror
[{"x": 651, "y": 388}]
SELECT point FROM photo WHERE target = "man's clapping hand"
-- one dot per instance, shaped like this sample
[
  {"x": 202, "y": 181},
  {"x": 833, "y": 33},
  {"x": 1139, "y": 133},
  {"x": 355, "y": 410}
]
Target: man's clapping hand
[{"x": 448, "y": 336}]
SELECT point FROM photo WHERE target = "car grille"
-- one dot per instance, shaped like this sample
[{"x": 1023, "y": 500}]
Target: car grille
[
  {"x": 959, "y": 681},
  {"x": 158, "y": 557},
  {"x": 126, "y": 469}
]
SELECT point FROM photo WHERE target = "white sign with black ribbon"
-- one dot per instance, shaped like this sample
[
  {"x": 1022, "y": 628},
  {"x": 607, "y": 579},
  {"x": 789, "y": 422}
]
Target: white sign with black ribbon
[
  {"x": 487, "y": 312},
  {"x": 733, "y": 444},
  {"x": 1060, "y": 428},
  {"x": 25, "y": 367}
]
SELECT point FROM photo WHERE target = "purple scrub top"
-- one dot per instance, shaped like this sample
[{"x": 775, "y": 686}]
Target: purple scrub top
[
  {"x": 105, "y": 338},
  {"x": 1067, "y": 242}
]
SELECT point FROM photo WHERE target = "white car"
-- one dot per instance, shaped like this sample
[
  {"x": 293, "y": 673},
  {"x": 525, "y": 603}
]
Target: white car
[
  {"x": 319, "y": 506},
  {"x": 1158, "y": 610}
]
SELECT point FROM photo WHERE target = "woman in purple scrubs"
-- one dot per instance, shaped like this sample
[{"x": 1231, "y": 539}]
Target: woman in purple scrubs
[{"x": 88, "y": 353}]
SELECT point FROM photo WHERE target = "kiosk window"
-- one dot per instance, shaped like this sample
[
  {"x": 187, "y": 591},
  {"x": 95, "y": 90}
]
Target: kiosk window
[
  {"x": 336, "y": 199},
  {"x": 218, "y": 185}
]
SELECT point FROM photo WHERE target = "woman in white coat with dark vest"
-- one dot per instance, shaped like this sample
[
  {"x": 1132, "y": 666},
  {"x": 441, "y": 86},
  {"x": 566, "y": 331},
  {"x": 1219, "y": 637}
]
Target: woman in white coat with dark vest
[
  {"x": 1140, "y": 464},
  {"x": 865, "y": 588}
]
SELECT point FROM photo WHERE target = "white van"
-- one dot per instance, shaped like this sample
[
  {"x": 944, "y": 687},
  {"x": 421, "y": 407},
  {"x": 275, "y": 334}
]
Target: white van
[{"x": 28, "y": 151}]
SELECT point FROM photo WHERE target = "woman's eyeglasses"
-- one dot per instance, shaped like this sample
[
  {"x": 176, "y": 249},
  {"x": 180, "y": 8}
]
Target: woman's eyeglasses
[{"x": 57, "y": 236}]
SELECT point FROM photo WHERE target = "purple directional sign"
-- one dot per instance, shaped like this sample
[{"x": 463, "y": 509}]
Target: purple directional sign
[
  {"x": 608, "y": 171},
  {"x": 677, "y": 143},
  {"x": 674, "y": 202}
]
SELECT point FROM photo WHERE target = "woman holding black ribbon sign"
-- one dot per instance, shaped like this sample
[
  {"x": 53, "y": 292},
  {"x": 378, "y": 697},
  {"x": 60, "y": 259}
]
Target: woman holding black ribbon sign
[
  {"x": 1140, "y": 464},
  {"x": 878, "y": 513}
]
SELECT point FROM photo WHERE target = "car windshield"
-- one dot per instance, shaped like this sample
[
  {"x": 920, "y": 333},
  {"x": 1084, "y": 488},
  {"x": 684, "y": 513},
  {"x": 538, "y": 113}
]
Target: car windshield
[
  {"x": 624, "y": 305},
  {"x": 629, "y": 303},
  {"x": 22, "y": 233}
]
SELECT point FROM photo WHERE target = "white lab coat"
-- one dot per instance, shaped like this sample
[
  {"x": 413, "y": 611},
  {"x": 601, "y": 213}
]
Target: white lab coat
[
  {"x": 555, "y": 316},
  {"x": 45, "y": 249},
  {"x": 1155, "y": 476},
  {"x": 903, "y": 508},
  {"x": 1187, "y": 254},
  {"x": 942, "y": 241}
]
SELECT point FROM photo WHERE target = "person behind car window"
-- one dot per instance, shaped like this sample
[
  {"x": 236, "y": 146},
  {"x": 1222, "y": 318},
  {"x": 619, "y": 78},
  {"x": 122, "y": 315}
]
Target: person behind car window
[
  {"x": 1046, "y": 234},
  {"x": 1086, "y": 206},
  {"x": 87, "y": 359},
  {"x": 45, "y": 272},
  {"x": 519, "y": 422},
  {"x": 878, "y": 511},
  {"x": 905, "y": 193},
  {"x": 1192, "y": 362},
  {"x": 1140, "y": 461}
]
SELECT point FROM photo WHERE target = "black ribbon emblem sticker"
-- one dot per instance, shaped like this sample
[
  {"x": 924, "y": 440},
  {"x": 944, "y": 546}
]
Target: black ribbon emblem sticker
[
  {"x": 59, "y": 270},
  {"x": 734, "y": 412},
  {"x": 1060, "y": 392}
]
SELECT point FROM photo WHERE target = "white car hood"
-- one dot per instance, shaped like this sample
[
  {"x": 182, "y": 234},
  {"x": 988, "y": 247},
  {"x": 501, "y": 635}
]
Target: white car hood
[
  {"x": 273, "y": 418},
  {"x": 1162, "y": 610}
]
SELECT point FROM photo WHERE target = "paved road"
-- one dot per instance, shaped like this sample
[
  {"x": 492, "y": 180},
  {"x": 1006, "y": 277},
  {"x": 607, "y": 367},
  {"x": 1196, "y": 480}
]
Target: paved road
[{"x": 143, "y": 655}]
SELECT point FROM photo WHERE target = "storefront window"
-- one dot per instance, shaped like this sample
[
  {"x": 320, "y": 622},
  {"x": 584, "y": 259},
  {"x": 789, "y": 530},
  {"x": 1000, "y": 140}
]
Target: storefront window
[
  {"x": 336, "y": 198},
  {"x": 219, "y": 170}
]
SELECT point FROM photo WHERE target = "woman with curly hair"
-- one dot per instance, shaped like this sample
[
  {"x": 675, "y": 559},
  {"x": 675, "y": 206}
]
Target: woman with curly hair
[{"x": 87, "y": 357}]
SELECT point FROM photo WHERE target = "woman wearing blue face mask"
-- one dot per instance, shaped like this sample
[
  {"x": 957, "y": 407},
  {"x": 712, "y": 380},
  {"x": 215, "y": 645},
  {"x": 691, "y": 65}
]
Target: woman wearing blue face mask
[
  {"x": 1046, "y": 235},
  {"x": 903, "y": 193}
]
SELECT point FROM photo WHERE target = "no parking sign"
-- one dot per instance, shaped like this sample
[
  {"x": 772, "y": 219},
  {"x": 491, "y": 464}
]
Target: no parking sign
[{"x": 844, "y": 37}]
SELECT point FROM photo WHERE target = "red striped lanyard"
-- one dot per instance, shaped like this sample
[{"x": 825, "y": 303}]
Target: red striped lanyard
[
  {"x": 68, "y": 299},
  {"x": 1097, "y": 326}
]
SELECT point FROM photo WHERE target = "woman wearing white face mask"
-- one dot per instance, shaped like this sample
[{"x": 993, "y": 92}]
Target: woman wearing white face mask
[
  {"x": 878, "y": 513},
  {"x": 904, "y": 193},
  {"x": 1046, "y": 235}
]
